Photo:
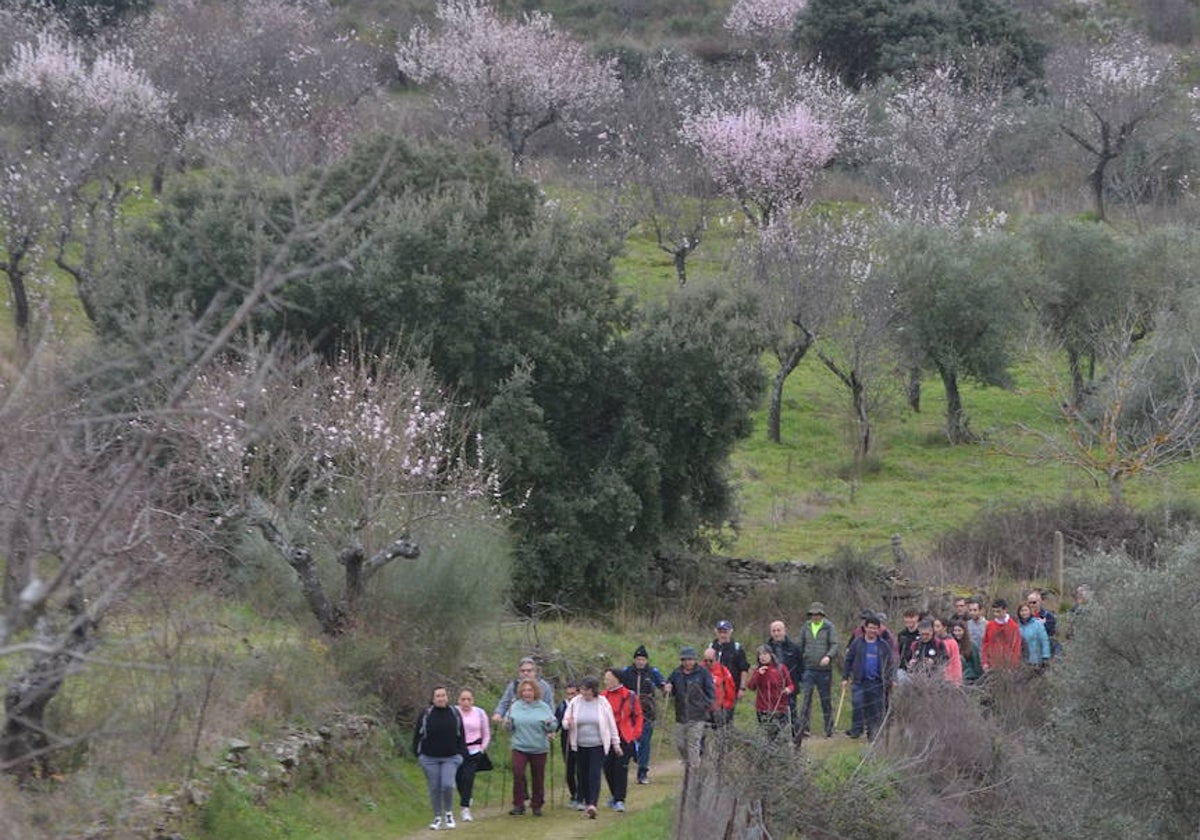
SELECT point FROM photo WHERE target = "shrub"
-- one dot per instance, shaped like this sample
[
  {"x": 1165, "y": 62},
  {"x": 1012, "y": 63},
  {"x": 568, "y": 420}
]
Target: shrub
[
  {"x": 1017, "y": 541},
  {"x": 1126, "y": 699}
]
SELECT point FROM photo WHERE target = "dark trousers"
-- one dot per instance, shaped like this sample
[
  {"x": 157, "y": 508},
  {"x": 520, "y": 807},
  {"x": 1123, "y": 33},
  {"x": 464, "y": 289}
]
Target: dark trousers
[
  {"x": 643, "y": 749},
  {"x": 537, "y": 769},
  {"x": 464, "y": 779},
  {"x": 820, "y": 680},
  {"x": 616, "y": 771},
  {"x": 772, "y": 723},
  {"x": 571, "y": 766},
  {"x": 870, "y": 702},
  {"x": 590, "y": 761}
]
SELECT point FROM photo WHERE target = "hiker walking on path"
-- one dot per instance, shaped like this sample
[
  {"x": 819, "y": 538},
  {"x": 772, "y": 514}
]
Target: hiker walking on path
[
  {"x": 644, "y": 680},
  {"x": 531, "y": 721},
  {"x": 1048, "y": 619},
  {"x": 976, "y": 623},
  {"x": 818, "y": 646},
  {"x": 526, "y": 670},
  {"x": 724, "y": 690},
  {"x": 772, "y": 685},
  {"x": 732, "y": 655},
  {"x": 593, "y": 734},
  {"x": 787, "y": 653},
  {"x": 972, "y": 667},
  {"x": 1001, "y": 640},
  {"x": 627, "y": 712},
  {"x": 478, "y": 735},
  {"x": 569, "y": 763},
  {"x": 870, "y": 670},
  {"x": 438, "y": 743},
  {"x": 1034, "y": 638},
  {"x": 692, "y": 688},
  {"x": 954, "y": 666}
]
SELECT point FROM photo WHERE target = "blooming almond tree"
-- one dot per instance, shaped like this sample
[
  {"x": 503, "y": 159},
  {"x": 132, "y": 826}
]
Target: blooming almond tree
[
  {"x": 518, "y": 77},
  {"x": 766, "y": 160},
  {"x": 937, "y": 141},
  {"x": 1108, "y": 94},
  {"x": 71, "y": 117},
  {"x": 344, "y": 461},
  {"x": 763, "y": 19}
]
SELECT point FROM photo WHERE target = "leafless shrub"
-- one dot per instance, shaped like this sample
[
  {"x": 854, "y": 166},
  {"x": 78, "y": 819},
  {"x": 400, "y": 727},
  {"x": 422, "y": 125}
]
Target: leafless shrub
[{"x": 1016, "y": 542}]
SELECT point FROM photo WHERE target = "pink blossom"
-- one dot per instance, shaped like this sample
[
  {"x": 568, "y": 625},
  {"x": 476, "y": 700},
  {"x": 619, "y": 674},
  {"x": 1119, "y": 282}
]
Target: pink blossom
[
  {"x": 767, "y": 161},
  {"x": 519, "y": 77},
  {"x": 763, "y": 18}
]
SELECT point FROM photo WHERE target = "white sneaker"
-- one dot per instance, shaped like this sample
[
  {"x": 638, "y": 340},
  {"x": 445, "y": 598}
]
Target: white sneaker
[
  {"x": 466, "y": 815},
  {"x": 450, "y": 820},
  {"x": 436, "y": 825}
]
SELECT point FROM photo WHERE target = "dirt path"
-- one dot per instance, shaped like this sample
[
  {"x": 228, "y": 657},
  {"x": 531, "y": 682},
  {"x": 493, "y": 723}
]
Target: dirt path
[{"x": 492, "y": 819}]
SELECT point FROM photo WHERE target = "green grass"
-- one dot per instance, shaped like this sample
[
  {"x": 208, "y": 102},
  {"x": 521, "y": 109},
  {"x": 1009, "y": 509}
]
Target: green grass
[
  {"x": 799, "y": 501},
  {"x": 361, "y": 802},
  {"x": 656, "y": 821}
]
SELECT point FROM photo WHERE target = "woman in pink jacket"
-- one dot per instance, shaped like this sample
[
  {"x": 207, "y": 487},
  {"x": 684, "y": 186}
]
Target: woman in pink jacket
[{"x": 478, "y": 734}]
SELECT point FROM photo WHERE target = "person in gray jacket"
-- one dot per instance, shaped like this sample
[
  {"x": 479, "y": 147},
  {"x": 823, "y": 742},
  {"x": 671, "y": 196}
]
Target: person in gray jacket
[
  {"x": 526, "y": 670},
  {"x": 818, "y": 646}
]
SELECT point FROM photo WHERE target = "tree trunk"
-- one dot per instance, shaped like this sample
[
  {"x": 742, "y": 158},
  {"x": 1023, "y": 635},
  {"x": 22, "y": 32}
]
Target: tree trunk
[
  {"x": 957, "y": 430},
  {"x": 1075, "y": 366},
  {"x": 913, "y": 391},
  {"x": 20, "y": 298},
  {"x": 858, "y": 397},
  {"x": 330, "y": 616},
  {"x": 1096, "y": 182},
  {"x": 680, "y": 258},
  {"x": 1116, "y": 489},
  {"x": 787, "y": 363},
  {"x": 25, "y": 741}
]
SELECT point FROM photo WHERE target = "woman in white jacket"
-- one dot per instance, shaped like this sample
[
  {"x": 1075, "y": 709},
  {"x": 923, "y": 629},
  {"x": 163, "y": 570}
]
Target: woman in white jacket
[{"x": 592, "y": 732}]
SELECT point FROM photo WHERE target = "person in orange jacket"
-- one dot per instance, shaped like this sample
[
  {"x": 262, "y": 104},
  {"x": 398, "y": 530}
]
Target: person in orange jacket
[
  {"x": 1001, "y": 639},
  {"x": 724, "y": 685},
  {"x": 627, "y": 710}
]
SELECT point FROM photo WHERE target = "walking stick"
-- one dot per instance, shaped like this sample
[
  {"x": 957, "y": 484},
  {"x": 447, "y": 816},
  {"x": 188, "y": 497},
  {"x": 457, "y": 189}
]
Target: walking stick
[
  {"x": 553, "y": 747},
  {"x": 841, "y": 701}
]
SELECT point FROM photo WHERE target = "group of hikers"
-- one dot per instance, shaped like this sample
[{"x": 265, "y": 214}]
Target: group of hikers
[{"x": 605, "y": 723}]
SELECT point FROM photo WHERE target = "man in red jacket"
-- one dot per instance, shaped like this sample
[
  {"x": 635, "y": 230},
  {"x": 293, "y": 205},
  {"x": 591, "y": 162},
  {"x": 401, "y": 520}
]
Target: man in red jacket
[
  {"x": 1001, "y": 639},
  {"x": 724, "y": 685},
  {"x": 627, "y": 711}
]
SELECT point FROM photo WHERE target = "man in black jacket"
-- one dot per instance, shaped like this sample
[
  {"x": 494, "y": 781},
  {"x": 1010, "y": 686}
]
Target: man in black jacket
[
  {"x": 732, "y": 655},
  {"x": 644, "y": 680},
  {"x": 787, "y": 654}
]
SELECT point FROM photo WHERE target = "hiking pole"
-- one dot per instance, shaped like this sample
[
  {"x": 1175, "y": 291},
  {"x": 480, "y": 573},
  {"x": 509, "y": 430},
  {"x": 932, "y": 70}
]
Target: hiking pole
[
  {"x": 553, "y": 746},
  {"x": 841, "y": 702}
]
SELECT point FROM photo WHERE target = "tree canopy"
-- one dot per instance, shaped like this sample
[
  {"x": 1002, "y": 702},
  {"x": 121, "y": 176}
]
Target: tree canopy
[
  {"x": 610, "y": 428},
  {"x": 864, "y": 40}
]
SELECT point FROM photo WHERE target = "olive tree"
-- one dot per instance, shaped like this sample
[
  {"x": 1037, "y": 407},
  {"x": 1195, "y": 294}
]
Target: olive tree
[{"x": 959, "y": 308}]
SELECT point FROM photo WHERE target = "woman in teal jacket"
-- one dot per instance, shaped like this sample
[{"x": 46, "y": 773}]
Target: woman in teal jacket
[
  {"x": 1034, "y": 640},
  {"x": 531, "y": 721}
]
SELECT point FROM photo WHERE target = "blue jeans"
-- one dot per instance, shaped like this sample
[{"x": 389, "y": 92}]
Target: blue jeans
[
  {"x": 870, "y": 699},
  {"x": 820, "y": 680},
  {"x": 643, "y": 750},
  {"x": 439, "y": 778}
]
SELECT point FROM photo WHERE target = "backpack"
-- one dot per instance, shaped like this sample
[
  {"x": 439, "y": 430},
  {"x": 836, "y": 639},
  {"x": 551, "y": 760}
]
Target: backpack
[{"x": 462, "y": 734}]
